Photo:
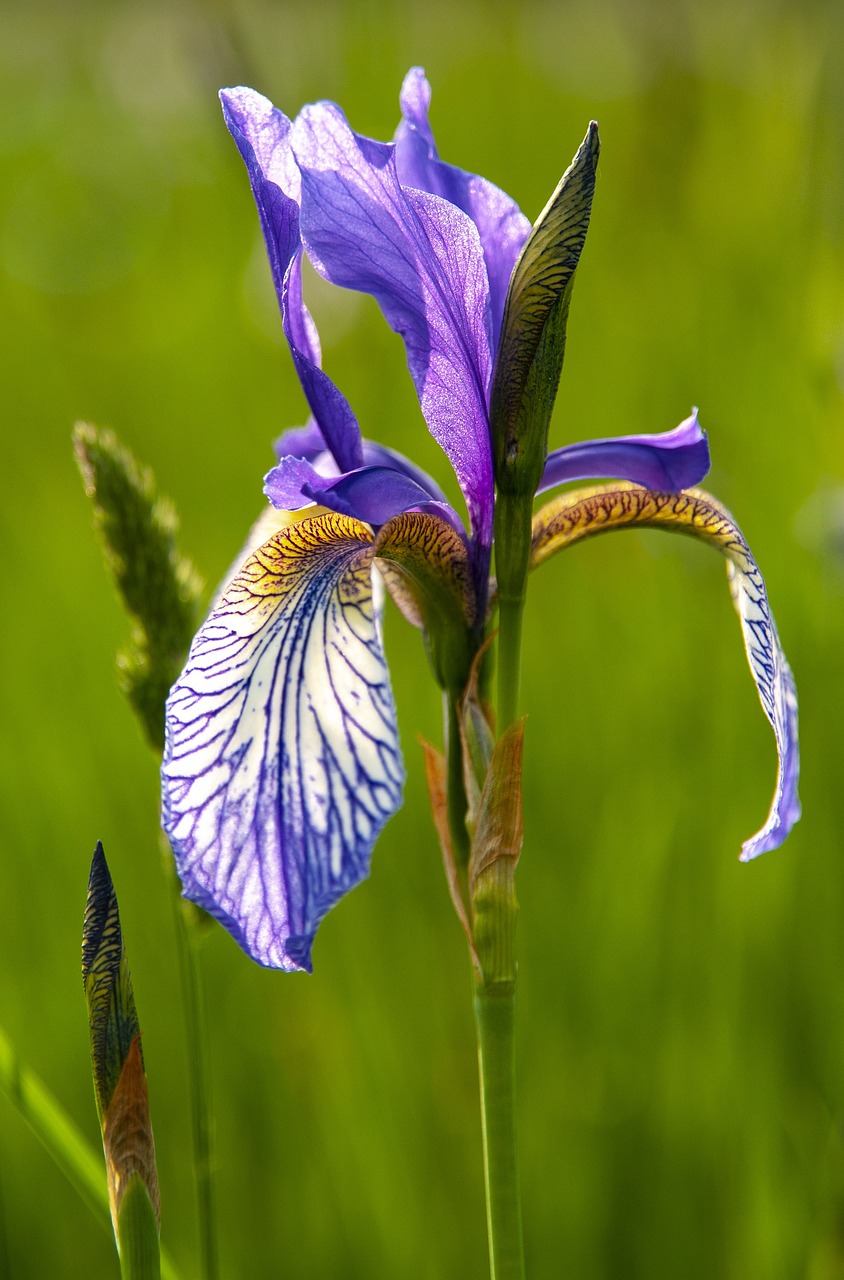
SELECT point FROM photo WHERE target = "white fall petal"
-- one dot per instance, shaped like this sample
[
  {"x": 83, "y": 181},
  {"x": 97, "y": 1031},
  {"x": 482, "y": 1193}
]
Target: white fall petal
[{"x": 282, "y": 761}]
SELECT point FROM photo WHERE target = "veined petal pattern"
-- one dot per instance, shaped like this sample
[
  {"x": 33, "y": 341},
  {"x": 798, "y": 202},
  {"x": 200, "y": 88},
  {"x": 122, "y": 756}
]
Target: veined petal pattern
[
  {"x": 502, "y": 227},
  {"x": 585, "y": 513},
  {"x": 282, "y": 761},
  {"x": 421, "y": 258}
]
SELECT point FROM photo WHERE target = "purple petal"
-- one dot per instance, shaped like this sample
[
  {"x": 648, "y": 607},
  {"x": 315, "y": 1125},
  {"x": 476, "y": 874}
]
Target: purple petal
[
  {"x": 282, "y": 760},
  {"x": 262, "y": 134},
  {"x": 421, "y": 258},
  {"x": 671, "y": 461},
  {"x": 330, "y": 408},
  {"x": 502, "y": 227},
  {"x": 305, "y": 442},
  {"x": 286, "y": 485},
  {"x": 378, "y": 455},
  {"x": 373, "y": 494},
  {"x": 573, "y": 516},
  {"x": 777, "y": 693}
]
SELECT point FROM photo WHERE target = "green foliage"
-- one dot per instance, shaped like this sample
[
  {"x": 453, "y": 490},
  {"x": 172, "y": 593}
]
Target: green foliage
[
  {"x": 681, "y": 1016},
  {"x": 159, "y": 588}
]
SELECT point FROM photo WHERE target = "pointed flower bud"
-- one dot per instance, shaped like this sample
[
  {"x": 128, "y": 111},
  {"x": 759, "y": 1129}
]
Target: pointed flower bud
[
  {"x": 119, "y": 1081},
  {"x": 533, "y": 332}
]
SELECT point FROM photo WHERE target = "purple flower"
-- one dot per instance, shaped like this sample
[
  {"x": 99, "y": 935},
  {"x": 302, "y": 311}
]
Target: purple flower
[
  {"x": 282, "y": 761},
  {"x": 436, "y": 247}
]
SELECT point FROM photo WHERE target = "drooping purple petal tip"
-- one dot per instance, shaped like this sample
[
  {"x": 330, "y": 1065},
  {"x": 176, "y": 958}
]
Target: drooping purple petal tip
[
  {"x": 263, "y": 137},
  {"x": 671, "y": 461},
  {"x": 778, "y": 695}
]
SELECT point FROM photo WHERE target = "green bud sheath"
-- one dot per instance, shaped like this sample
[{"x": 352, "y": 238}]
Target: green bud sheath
[
  {"x": 533, "y": 331},
  {"x": 524, "y": 387},
  {"x": 119, "y": 1081}
]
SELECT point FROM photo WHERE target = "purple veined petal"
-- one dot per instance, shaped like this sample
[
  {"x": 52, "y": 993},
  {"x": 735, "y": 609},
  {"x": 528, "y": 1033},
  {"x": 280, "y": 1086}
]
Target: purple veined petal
[
  {"x": 379, "y": 455},
  {"x": 777, "y": 694},
  {"x": 576, "y": 515},
  {"x": 421, "y": 258},
  {"x": 330, "y": 408},
  {"x": 282, "y": 760},
  {"x": 671, "y": 461},
  {"x": 286, "y": 484},
  {"x": 373, "y": 494},
  {"x": 300, "y": 442},
  {"x": 502, "y": 226},
  {"x": 307, "y": 443},
  {"x": 262, "y": 135}
]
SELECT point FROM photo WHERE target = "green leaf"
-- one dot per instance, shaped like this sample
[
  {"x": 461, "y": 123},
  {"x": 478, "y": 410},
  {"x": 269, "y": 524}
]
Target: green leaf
[
  {"x": 159, "y": 588},
  {"x": 533, "y": 332}
]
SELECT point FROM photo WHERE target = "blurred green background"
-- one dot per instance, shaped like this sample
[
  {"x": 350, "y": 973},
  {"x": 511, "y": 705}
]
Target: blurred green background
[{"x": 681, "y": 1020}]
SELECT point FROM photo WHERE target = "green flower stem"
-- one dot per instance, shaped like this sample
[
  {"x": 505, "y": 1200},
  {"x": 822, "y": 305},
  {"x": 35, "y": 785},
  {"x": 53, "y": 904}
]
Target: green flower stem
[
  {"x": 513, "y": 515},
  {"x": 83, "y": 1167},
  {"x": 455, "y": 783},
  {"x": 495, "y": 912},
  {"x": 137, "y": 1231},
  {"x": 188, "y": 941},
  {"x": 495, "y": 1021},
  {"x": 509, "y": 659}
]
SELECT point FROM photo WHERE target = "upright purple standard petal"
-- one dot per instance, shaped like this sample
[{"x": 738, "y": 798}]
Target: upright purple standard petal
[
  {"x": 331, "y": 409},
  {"x": 502, "y": 227},
  {"x": 282, "y": 761},
  {"x": 421, "y": 258},
  {"x": 673, "y": 460},
  {"x": 262, "y": 134}
]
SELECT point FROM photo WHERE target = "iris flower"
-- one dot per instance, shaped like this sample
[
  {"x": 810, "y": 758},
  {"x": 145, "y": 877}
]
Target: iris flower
[{"x": 282, "y": 761}]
